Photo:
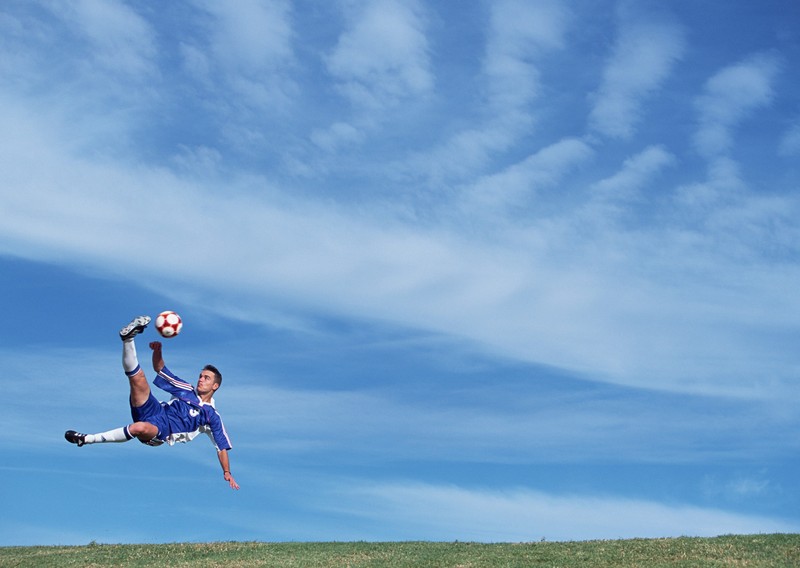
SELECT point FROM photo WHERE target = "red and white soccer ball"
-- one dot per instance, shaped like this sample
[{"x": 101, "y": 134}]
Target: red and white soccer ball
[{"x": 168, "y": 324}]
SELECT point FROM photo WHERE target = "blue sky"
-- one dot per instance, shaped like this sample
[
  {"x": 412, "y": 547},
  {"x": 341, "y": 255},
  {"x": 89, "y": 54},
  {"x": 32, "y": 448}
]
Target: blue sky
[{"x": 491, "y": 271}]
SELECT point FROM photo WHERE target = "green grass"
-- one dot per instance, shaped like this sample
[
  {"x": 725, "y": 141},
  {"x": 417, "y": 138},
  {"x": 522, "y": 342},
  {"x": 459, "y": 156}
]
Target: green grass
[{"x": 778, "y": 550}]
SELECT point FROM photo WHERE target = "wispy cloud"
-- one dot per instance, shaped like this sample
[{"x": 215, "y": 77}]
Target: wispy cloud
[
  {"x": 383, "y": 55},
  {"x": 520, "y": 33},
  {"x": 499, "y": 421},
  {"x": 586, "y": 217},
  {"x": 517, "y": 254},
  {"x": 514, "y": 190},
  {"x": 380, "y": 61},
  {"x": 240, "y": 59},
  {"x": 635, "y": 173},
  {"x": 790, "y": 142},
  {"x": 122, "y": 43},
  {"x": 647, "y": 48},
  {"x": 519, "y": 285},
  {"x": 250, "y": 38},
  {"x": 731, "y": 96},
  {"x": 520, "y": 515},
  {"x": 519, "y": 37}
]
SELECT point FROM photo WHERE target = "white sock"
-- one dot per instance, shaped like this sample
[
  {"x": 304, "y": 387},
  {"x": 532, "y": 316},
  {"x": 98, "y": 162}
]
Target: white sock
[
  {"x": 115, "y": 435},
  {"x": 130, "y": 363}
]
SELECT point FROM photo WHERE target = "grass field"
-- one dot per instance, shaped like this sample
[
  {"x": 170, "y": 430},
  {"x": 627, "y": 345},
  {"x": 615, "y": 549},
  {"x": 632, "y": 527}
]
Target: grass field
[{"x": 730, "y": 551}]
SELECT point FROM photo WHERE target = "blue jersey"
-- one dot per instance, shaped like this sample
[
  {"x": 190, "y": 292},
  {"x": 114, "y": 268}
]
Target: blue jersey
[{"x": 187, "y": 415}]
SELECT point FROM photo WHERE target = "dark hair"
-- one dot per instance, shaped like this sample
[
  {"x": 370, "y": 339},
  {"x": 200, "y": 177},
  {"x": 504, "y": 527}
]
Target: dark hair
[{"x": 217, "y": 374}]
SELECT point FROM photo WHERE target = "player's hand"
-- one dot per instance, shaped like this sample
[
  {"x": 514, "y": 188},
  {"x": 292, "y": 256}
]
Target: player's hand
[
  {"x": 158, "y": 359},
  {"x": 231, "y": 481}
]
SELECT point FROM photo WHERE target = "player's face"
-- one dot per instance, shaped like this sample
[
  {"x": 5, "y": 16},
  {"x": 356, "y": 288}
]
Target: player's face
[{"x": 205, "y": 383}]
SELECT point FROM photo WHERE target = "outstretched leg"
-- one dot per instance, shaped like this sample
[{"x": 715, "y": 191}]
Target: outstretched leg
[
  {"x": 112, "y": 436},
  {"x": 142, "y": 431}
]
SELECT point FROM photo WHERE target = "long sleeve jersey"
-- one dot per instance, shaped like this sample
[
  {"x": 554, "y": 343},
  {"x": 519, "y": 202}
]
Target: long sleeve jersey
[{"x": 188, "y": 415}]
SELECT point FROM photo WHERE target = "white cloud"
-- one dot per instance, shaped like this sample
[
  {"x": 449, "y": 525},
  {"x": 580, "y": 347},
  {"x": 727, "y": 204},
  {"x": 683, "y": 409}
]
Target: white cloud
[
  {"x": 790, "y": 142},
  {"x": 337, "y": 135},
  {"x": 250, "y": 37},
  {"x": 643, "y": 56},
  {"x": 621, "y": 195},
  {"x": 468, "y": 151},
  {"x": 516, "y": 187},
  {"x": 506, "y": 233},
  {"x": 196, "y": 62},
  {"x": 243, "y": 58},
  {"x": 383, "y": 56},
  {"x": 519, "y": 37},
  {"x": 123, "y": 43},
  {"x": 635, "y": 172},
  {"x": 200, "y": 162},
  {"x": 543, "y": 291},
  {"x": 448, "y": 513},
  {"x": 742, "y": 226},
  {"x": 92, "y": 64},
  {"x": 474, "y": 421},
  {"x": 494, "y": 422},
  {"x": 520, "y": 33},
  {"x": 511, "y": 261},
  {"x": 731, "y": 96}
]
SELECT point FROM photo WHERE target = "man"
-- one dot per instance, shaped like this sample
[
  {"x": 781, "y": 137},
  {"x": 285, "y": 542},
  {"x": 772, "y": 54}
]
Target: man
[{"x": 190, "y": 412}]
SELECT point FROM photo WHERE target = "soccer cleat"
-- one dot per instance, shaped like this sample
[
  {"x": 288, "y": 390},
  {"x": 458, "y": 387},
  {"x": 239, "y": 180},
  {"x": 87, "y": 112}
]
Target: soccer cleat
[
  {"x": 134, "y": 328},
  {"x": 74, "y": 437}
]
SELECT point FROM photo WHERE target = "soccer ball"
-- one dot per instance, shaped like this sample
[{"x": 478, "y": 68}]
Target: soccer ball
[{"x": 168, "y": 324}]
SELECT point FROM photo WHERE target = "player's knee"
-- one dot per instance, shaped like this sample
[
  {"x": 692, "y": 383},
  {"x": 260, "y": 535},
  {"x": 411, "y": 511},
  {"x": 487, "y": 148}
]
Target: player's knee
[{"x": 144, "y": 431}]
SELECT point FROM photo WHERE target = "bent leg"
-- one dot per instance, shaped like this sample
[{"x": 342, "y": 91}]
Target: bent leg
[
  {"x": 150, "y": 422},
  {"x": 143, "y": 431}
]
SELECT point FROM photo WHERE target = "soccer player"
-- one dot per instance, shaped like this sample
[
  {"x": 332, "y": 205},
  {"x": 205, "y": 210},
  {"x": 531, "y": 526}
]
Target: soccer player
[{"x": 190, "y": 412}]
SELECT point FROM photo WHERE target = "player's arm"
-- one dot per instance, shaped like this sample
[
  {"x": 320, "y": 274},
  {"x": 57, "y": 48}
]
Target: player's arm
[
  {"x": 158, "y": 358},
  {"x": 165, "y": 380},
  {"x": 226, "y": 468}
]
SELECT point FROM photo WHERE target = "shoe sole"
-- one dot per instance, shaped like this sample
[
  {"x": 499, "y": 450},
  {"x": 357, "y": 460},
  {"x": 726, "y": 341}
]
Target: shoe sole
[{"x": 135, "y": 327}]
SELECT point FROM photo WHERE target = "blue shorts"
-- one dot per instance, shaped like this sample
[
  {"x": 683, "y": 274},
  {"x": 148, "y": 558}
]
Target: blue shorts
[{"x": 153, "y": 412}]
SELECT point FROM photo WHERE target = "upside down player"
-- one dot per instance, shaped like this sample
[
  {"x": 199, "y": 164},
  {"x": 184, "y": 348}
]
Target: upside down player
[{"x": 190, "y": 412}]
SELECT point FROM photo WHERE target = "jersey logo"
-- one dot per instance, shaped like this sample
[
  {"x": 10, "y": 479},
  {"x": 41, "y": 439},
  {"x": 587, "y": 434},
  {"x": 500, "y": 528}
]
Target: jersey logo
[{"x": 194, "y": 413}]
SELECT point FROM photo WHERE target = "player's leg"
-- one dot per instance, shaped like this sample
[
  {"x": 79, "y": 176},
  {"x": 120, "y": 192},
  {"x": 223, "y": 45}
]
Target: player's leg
[
  {"x": 140, "y": 394},
  {"x": 150, "y": 422},
  {"x": 116, "y": 435},
  {"x": 140, "y": 389},
  {"x": 143, "y": 431}
]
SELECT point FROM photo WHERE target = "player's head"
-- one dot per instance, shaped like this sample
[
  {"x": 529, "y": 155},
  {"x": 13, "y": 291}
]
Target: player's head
[{"x": 216, "y": 373}]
